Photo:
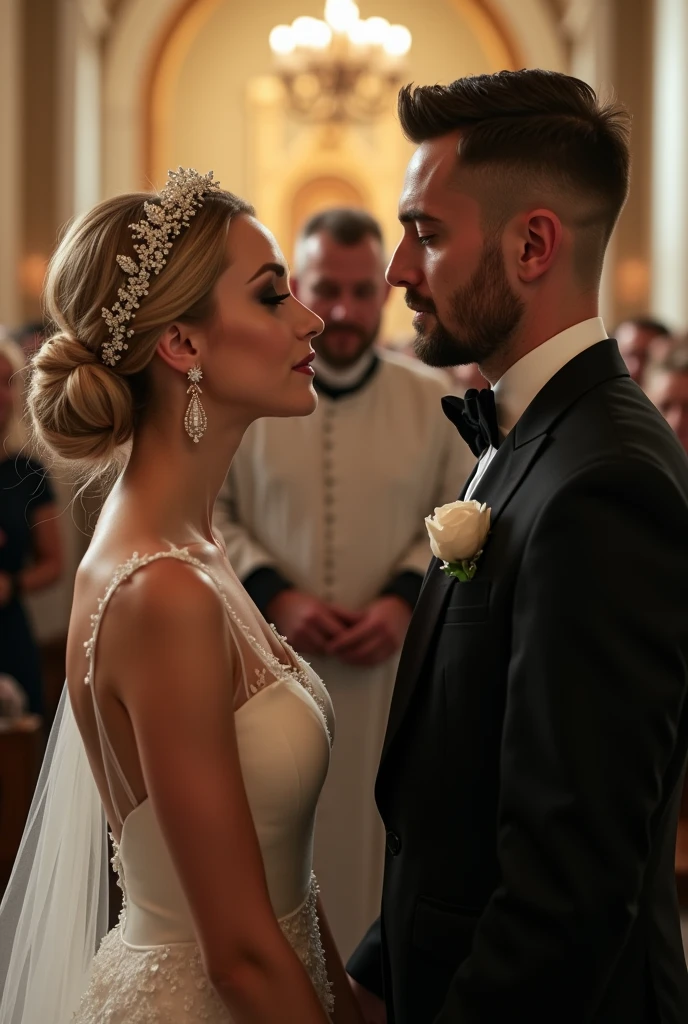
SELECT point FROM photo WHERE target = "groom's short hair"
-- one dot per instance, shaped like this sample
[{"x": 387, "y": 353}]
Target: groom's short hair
[{"x": 534, "y": 129}]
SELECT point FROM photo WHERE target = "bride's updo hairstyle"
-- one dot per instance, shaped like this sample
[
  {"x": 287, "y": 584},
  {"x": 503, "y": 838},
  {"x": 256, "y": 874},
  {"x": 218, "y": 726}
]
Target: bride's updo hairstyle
[{"x": 82, "y": 409}]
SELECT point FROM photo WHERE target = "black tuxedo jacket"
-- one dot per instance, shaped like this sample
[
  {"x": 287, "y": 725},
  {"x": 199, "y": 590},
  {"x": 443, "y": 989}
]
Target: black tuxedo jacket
[{"x": 532, "y": 769}]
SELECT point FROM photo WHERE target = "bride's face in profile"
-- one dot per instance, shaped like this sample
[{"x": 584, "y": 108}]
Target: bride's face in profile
[{"x": 257, "y": 352}]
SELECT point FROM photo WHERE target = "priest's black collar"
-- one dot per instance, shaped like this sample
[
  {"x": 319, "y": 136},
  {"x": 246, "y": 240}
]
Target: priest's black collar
[{"x": 334, "y": 391}]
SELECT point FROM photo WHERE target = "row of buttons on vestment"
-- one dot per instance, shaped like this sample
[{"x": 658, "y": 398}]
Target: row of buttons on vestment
[{"x": 329, "y": 500}]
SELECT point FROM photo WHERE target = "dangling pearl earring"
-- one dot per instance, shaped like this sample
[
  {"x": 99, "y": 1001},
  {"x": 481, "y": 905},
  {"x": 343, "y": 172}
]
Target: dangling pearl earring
[{"x": 195, "y": 420}]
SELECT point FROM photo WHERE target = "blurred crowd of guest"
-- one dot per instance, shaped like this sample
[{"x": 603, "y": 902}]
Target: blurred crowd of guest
[
  {"x": 658, "y": 361},
  {"x": 30, "y": 546}
]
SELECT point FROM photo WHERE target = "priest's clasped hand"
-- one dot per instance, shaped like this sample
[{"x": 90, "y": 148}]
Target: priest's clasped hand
[
  {"x": 308, "y": 623},
  {"x": 365, "y": 638},
  {"x": 377, "y": 634}
]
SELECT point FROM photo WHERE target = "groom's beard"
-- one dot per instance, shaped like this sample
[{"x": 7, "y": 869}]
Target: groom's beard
[{"x": 484, "y": 315}]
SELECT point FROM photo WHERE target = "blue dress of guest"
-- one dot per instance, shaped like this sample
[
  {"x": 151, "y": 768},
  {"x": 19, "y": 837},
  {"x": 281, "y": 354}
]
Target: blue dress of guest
[{"x": 24, "y": 489}]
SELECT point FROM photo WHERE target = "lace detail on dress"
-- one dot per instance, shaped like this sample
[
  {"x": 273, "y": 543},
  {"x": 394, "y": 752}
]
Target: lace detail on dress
[
  {"x": 302, "y": 929},
  {"x": 164, "y": 985},
  {"x": 297, "y": 671},
  {"x": 168, "y": 984}
]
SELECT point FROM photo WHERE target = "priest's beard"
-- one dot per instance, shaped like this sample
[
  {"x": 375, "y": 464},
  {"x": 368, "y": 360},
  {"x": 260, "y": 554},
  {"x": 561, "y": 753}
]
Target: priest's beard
[
  {"x": 342, "y": 344},
  {"x": 483, "y": 316}
]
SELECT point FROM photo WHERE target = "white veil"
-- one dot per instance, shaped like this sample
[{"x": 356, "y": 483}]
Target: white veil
[{"x": 55, "y": 910}]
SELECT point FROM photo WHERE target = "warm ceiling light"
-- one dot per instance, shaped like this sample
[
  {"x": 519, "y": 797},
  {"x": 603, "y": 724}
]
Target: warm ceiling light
[
  {"x": 342, "y": 68},
  {"x": 311, "y": 32},
  {"x": 341, "y": 14},
  {"x": 282, "y": 39},
  {"x": 398, "y": 41}
]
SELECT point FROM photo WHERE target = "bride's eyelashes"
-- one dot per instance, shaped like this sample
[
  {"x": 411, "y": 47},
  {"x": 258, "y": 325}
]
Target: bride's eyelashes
[{"x": 272, "y": 298}]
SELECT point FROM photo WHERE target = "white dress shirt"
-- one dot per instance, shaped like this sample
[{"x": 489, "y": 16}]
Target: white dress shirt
[{"x": 517, "y": 388}]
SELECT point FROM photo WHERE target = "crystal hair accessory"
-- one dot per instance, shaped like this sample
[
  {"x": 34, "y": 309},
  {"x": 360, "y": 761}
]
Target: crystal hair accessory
[
  {"x": 163, "y": 221},
  {"x": 195, "y": 421}
]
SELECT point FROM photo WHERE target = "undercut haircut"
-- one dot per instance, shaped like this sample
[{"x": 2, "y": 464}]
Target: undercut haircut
[{"x": 539, "y": 131}]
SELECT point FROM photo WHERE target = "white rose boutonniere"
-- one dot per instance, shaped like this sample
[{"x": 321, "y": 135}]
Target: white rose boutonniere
[{"x": 458, "y": 532}]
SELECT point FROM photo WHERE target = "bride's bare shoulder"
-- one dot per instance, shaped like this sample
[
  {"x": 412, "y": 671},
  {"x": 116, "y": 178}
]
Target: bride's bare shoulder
[{"x": 156, "y": 593}]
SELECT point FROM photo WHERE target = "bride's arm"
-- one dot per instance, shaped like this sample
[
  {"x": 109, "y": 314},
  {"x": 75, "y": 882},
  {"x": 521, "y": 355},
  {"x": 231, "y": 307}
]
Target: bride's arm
[
  {"x": 176, "y": 670},
  {"x": 346, "y": 1009}
]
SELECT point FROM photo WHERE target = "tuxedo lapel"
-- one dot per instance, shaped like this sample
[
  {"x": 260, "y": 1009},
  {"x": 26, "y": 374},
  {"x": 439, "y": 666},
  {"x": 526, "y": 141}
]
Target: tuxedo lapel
[
  {"x": 435, "y": 592},
  {"x": 432, "y": 596},
  {"x": 495, "y": 487},
  {"x": 507, "y": 469}
]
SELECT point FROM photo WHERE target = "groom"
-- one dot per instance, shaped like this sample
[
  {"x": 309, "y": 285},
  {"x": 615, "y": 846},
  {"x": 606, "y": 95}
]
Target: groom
[{"x": 532, "y": 769}]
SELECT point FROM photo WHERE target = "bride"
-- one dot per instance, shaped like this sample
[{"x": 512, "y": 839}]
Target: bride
[{"x": 193, "y": 726}]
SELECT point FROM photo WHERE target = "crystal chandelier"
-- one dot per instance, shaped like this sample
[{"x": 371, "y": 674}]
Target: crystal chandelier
[{"x": 344, "y": 68}]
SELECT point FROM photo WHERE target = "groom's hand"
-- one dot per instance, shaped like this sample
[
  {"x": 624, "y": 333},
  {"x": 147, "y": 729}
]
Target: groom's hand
[
  {"x": 372, "y": 1007},
  {"x": 307, "y": 622},
  {"x": 378, "y": 634}
]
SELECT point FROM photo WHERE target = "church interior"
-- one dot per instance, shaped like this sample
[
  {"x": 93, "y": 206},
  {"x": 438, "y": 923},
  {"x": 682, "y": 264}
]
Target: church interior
[{"x": 99, "y": 97}]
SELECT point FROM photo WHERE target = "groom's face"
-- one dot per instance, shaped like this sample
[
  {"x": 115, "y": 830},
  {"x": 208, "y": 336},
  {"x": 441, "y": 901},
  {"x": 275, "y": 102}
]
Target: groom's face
[{"x": 451, "y": 267}]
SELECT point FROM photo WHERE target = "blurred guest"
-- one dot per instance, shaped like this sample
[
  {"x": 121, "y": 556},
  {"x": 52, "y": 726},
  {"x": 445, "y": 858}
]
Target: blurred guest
[
  {"x": 30, "y": 336},
  {"x": 667, "y": 387},
  {"x": 30, "y": 548},
  {"x": 323, "y": 518},
  {"x": 642, "y": 341},
  {"x": 12, "y": 698}
]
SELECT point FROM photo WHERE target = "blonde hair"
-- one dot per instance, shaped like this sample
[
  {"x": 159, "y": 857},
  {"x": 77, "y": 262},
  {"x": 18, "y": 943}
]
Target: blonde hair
[
  {"x": 83, "y": 410},
  {"x": 14, "y": 434}
]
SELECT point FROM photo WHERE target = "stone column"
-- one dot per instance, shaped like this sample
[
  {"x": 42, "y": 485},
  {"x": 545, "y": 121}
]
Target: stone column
[
  {"x": 83, "y": 23},
  {"x": 10, "y": 164},
  {"x": 611, "y": 48},
  {"x": 670, "y": 164},
  {"x": 589, "y": 28}
]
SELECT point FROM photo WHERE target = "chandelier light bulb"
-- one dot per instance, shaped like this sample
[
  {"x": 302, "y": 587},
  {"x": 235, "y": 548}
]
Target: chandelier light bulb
[
  {"x": 376, "y": 31},
  {"x": 397, "y": 41},
  {"x": 341, "y": 69},
  {"x": 358, "y": 33},
  {"x": 341, "y": 15},
  {"x": 311, "y": 32},
  {"x": 282, "y": 40}
]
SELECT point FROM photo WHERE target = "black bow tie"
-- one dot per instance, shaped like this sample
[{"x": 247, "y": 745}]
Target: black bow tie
[{"x": 475, "y": 418}]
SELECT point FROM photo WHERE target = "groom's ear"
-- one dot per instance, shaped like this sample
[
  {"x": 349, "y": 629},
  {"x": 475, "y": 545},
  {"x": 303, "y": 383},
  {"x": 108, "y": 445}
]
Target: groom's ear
[{"x": 538, "y": 239}]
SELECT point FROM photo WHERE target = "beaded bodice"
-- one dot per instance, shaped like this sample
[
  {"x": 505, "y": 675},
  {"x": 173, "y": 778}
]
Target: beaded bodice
[{"x": 283, "y": 730}]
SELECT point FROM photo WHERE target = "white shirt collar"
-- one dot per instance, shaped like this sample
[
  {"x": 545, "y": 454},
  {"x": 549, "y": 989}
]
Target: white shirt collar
[
  {"x": 348, "y": 378},
  {"x": 517, "y": 388}
]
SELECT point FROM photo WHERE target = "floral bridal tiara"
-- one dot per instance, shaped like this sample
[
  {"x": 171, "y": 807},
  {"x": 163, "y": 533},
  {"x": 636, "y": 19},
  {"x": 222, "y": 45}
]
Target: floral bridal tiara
[
  {"x": 163, "y": 221},
  {"x": 180, "y": 198}
]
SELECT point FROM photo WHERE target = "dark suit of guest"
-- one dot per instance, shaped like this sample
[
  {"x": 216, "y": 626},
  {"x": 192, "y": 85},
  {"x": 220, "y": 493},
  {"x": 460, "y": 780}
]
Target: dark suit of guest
[{"x": 532, "y": 771}]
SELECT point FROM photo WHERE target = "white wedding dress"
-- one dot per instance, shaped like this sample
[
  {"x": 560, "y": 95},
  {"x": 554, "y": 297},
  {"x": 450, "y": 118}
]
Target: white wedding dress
[{"x": 148, "y": 969}]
